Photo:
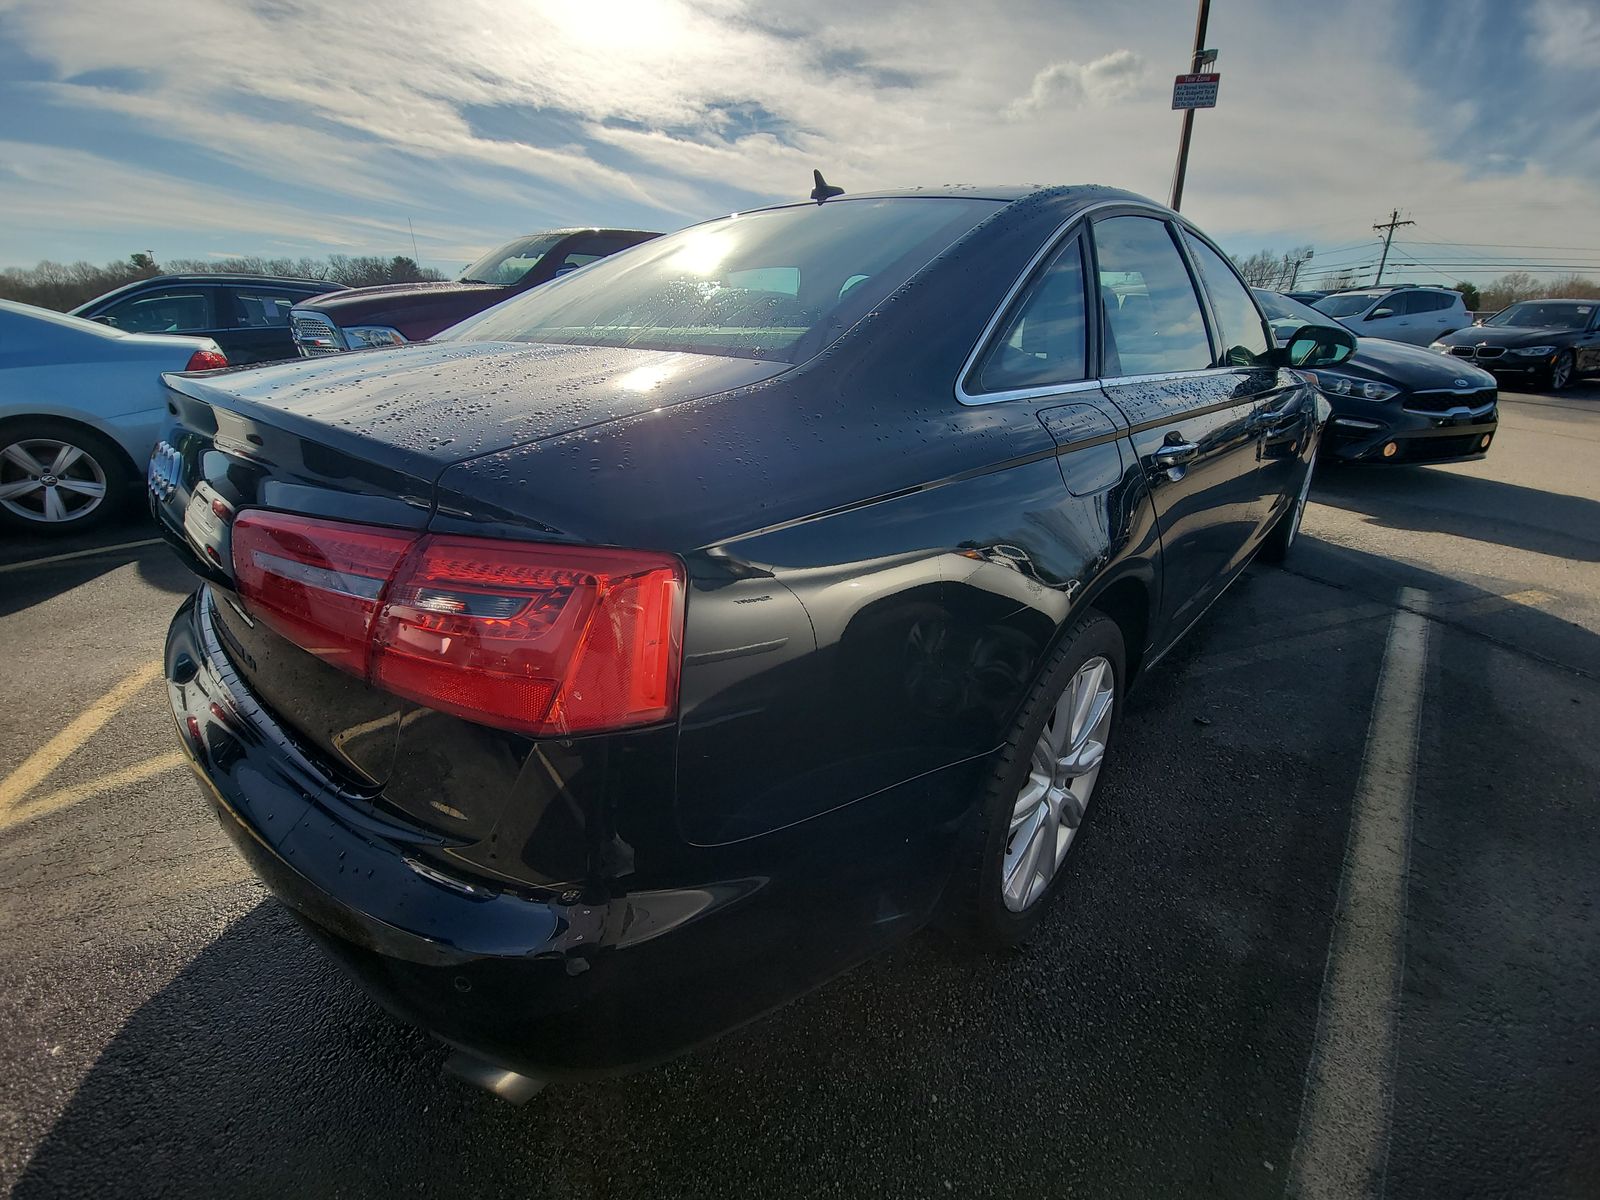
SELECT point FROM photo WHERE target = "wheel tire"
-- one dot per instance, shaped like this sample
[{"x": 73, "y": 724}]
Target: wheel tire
[
  {"x": 1280, "y": 539},
  {"x": 98, "y": 463},
  {"x": 975, "y": 906},
  {"x": 1563, "y": 371}
]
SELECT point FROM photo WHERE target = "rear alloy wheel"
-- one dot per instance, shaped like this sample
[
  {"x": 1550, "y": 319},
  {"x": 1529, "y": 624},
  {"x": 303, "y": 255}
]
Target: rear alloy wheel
[
  {"x": 1039, "y": 792},
  {"x": 1561, "y": 372},
  {"x": 58, "y": 479}
]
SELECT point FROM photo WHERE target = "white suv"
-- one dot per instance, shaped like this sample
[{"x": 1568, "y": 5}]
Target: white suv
[{"x": 1402, "y": 314}]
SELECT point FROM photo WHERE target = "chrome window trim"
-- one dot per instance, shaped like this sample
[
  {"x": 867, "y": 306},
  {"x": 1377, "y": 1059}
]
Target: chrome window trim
[{"x": 1050, "y": 246}]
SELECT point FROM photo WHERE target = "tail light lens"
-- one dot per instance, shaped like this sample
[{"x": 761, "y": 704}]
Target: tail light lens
[
  {"x": 318, "y": 583},
  {"x": 542, "y": 639},
  {"x": 206, "y": 360}
]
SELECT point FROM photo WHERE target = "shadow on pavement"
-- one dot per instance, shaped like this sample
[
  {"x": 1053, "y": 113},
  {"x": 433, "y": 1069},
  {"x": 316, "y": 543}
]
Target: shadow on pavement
[
  {"x": 1429, "y": 500},
  {"x": 25, "y": 580},
  {"x": 1166, "y": 1008}
]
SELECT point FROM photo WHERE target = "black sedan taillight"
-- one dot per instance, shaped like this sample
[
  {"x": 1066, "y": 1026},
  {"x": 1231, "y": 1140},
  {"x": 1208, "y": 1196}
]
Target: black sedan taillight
[{"x": 540, "y": 638}]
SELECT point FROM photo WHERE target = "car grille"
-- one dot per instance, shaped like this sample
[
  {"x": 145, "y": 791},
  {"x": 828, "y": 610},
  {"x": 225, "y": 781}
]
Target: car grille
[
  {"x": 1442, "y": 402},
  {"x": 314, "y": 334},
  {"x": 1477, "y": 352}
]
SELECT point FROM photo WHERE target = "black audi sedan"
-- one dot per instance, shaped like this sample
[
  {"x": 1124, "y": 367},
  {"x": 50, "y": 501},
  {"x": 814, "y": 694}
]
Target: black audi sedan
[
  {"x": 661, "y": 642},
  {"x": 1396, "y": 404},
  {"x": 1553, "y": 343}
]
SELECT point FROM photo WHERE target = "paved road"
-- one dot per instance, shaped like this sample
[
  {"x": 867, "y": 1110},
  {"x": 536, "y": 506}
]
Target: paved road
[{"x": 1274, "y": 956}]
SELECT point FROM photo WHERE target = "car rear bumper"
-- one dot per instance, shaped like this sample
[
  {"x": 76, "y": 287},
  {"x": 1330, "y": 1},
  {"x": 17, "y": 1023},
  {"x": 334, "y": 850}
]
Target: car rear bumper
[{"x": 592, "y": 979}]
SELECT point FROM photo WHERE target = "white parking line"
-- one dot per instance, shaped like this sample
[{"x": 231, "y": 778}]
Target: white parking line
[
  {"x": 89, "y": 553},
  {"x": 1342, "y": 1140}
]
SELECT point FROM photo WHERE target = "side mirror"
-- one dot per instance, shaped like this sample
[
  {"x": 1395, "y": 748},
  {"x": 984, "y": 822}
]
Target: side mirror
[
  {"x": 111, "y": 321},
  {"x": 1379, "y": 314},
  {"x": 1318, "y": 346}
]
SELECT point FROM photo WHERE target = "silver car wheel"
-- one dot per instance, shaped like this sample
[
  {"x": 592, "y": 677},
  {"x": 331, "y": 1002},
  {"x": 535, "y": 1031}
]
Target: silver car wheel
[
  {"x": 1061, "y": 777},
  {"x": 1561, "y": 372},
  {"x": 49, "y": 481}
]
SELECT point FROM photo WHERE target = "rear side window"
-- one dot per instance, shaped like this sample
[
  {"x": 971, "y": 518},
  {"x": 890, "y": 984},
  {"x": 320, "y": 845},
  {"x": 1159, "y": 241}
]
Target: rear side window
[
  {"x": 1243, "y": 337},
  {"x": 778, "y": 284},
  {"x": 263, "y": 308},
  {"x": 1152, "y": 321},
  {"x": 172, "y": 310},
  {"x": 1045, "y": 339},
  {"x": 1431, "y": 302},
  {"x": 1397, "y": 304}
]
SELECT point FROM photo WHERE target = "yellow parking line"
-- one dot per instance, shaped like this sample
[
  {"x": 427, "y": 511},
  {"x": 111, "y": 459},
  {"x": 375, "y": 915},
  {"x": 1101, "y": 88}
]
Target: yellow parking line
[
  {"x": 56, "y": 751},
  {"x": 53, "y": 801}
]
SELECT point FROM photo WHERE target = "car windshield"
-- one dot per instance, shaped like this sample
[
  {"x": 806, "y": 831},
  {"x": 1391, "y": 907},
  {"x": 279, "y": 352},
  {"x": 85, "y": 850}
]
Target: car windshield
[
  {"x": 1544, "y": 314},
  {"x": 1347, "y": 305},
  {"x": 1286, "y": 311},
  {"x": 779, "y": 284},
  {"x": 509, "y": 263}
]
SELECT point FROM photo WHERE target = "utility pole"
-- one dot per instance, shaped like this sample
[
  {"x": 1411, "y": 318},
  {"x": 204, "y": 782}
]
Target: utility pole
[
  {"x": 1198, "y": 60},
  {"x": 1388, "y": 227},
  {"x": 1298, "y": 263}
]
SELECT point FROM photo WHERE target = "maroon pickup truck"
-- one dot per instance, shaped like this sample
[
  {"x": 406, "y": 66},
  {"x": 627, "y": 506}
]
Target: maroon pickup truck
[{"x": 392, "y": 314}]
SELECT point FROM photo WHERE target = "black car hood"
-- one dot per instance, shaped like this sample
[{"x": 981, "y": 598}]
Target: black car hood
[
  {"x": 1509, "y": 336},
  {"x": 420, "y": 408},
  {"x": 1413, "y": 367}
]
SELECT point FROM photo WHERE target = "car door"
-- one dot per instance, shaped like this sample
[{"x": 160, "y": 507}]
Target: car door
[
  {"x": 258, "y": 316},
  {"x": 1588, "y": 346},
  {"x": 1285, "y": 411},
  {"x": 1436, "y": 315},
  {"x": 1391, "y": 317},
  {"x": 1192, "y": 415}
]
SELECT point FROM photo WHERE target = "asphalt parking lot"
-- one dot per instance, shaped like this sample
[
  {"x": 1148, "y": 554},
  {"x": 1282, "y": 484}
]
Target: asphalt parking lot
[{"x": 1340, "y": 891}]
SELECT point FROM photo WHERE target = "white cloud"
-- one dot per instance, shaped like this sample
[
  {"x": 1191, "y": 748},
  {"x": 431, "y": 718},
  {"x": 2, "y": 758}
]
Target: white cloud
[
  {"x": 621, "y": 110},
  {"x": 1565, "y": 33},
  {"x": 1066, "y": 85}
]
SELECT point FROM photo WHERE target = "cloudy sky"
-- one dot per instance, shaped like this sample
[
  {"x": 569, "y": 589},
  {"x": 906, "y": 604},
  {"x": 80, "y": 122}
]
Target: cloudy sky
[{"x": 284, "y": 127}]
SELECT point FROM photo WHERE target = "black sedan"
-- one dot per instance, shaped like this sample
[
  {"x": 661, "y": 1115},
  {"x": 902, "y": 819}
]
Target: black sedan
[
  {"x": 661, "y": 642},
  {"x": 1553, "y": 343},
  {"x": 1394, "y": 403}
]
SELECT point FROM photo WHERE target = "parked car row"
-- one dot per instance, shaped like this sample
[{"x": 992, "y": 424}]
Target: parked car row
[{"x": 1394, "y": 403}]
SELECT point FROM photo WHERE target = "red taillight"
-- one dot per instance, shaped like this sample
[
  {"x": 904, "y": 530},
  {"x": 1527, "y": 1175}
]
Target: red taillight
[
  {"x": 317, "y": 582},
  {"x": 206, "y": 360},
  {"x": 540, "y": 638}
]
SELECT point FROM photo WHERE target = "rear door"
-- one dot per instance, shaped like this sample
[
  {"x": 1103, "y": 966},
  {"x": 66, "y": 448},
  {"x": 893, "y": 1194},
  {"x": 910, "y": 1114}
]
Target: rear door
[
  {"x": 258, "y": 322},
  {"x": 1192, "y": 415}
]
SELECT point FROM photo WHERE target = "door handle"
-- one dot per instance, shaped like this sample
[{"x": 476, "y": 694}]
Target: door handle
[{"x": 1175, "y": 454}]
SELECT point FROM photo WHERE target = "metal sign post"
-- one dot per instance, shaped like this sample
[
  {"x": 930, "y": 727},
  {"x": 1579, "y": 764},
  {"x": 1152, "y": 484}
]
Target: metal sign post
[{"x": 1201, "y": 58}]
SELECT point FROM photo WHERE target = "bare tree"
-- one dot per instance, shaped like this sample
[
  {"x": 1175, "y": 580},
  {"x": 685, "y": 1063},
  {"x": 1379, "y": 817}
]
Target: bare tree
[{"x": 62, "y": 286}]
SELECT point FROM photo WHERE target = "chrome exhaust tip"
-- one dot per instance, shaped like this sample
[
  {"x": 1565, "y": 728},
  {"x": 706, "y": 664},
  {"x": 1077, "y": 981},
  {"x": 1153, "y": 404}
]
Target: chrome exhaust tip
[{"x": 511, "y": 1086}]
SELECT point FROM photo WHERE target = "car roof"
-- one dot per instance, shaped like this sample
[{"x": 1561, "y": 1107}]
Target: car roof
[
  {"x": 319, "y": 285},
  {"x": 1555, "y": 300},
  {"x": 1066, "y": 198}
]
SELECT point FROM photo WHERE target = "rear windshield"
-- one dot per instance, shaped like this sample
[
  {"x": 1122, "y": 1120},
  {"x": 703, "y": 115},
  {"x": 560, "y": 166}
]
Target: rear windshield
[
  {"x": 1345, "y": 306},
  {"x": 778, "y": 285}
]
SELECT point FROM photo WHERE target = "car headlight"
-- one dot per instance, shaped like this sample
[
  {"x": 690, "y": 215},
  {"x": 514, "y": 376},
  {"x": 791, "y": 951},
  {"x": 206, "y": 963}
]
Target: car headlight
[
  {"x": 1336, "y": 383},
  {"x": 1532, "y": 351},
  {"x": 364, "y": 337},
  {"x": 1439, "y": 346}
]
